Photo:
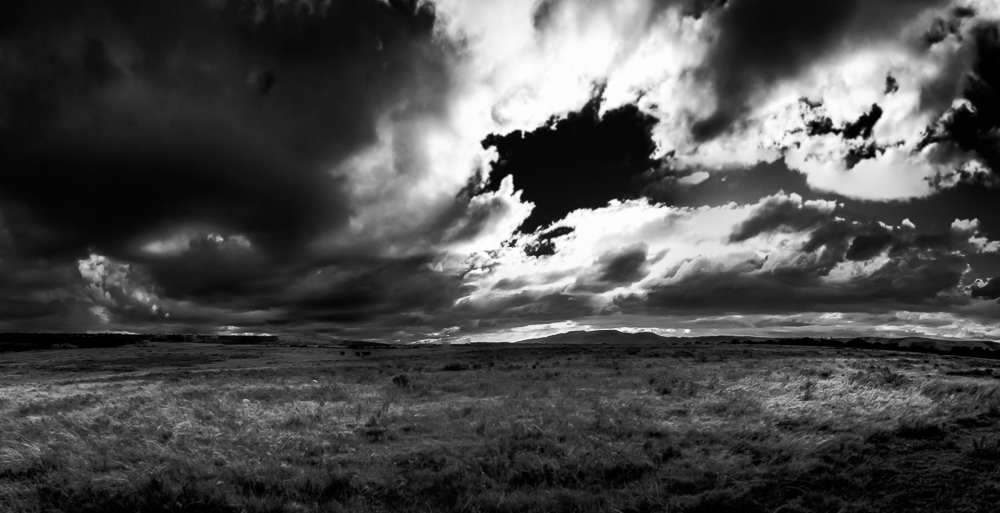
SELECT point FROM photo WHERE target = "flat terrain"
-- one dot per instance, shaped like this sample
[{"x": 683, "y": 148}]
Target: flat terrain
[{"x": 624, "y": 426}]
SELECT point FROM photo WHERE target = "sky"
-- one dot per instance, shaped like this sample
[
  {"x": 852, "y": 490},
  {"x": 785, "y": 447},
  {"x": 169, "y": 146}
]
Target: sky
[{"x": 495, "y": 170}]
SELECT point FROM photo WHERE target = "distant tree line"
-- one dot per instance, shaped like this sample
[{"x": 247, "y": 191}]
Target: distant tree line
[
  {"x": 10, "y": 342},
  {"x": 892, "y": 345}
]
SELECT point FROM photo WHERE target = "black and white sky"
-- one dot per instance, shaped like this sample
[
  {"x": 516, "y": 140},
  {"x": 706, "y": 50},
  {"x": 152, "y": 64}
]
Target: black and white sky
[{"x": 458, "y": 170}]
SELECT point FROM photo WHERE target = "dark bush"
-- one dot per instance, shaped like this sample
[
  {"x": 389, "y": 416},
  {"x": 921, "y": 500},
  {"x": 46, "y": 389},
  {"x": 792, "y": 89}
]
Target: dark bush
[
  {"x": 879, "y": 376},
  {"x": 919, "y": 430},
  {"x": 401, "y": 381}
]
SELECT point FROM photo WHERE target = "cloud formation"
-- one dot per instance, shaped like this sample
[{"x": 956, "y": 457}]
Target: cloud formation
[
  {"x": 432, "y": 169},
  {"x": 212, "y": 146},
  {"x": 151, "y": 127},
  {"x": 781, "y": 254},
  {"x": 846, "y": 94}
]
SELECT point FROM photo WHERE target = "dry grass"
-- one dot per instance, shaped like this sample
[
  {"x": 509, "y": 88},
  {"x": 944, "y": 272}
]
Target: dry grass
[{"x": 500, "y": 428}]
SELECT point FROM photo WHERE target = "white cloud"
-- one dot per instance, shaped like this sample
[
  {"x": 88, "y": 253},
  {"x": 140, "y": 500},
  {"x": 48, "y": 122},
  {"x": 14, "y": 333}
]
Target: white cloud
[
  {"x": 694, "y": 178},
  {"x": 892, "y": 175},
  {"x": 507, "y": 76},
  {"x": 101, "y": 312},
  {"x": 512, "y": 75},
  {"x": 657, "y": 72},
  {"x": 528, "y": 75},
  {"x": 503, "y": 211},
  {"x": 170, "y": 246},
  {"x": 679, "y": 241},
  {"x": 847, "y": 86},
  {"x": 976, "y": 240},
  {"x": 111, "y": 288}
]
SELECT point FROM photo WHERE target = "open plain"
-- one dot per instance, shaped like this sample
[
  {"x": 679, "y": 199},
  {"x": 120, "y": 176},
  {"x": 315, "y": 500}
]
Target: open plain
[{"x": 621, "y": 425}]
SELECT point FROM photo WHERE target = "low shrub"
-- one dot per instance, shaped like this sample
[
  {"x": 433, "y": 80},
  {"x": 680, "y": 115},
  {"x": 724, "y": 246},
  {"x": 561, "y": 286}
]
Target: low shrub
[{"x": 878, "y": 376}]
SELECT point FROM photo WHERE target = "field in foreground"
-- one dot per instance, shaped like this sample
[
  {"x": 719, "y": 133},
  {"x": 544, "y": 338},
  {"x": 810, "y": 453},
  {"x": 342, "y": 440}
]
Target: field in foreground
[{"x": 597, "y": 427}]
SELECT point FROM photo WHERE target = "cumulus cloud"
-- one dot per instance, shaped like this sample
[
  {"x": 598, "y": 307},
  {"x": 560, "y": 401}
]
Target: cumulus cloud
[
  {"x": 114, "y": 289},
  {"x": 761, "y": 42},
  {"x": 846, "y": 93},
  {"x": 781, "y": 253}
]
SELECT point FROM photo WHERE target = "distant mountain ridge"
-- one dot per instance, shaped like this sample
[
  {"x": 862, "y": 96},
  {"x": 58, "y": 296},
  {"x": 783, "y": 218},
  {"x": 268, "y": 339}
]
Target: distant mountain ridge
[
  {"x": 598, "y": 337},
  {"x": 977, "y": 348}
]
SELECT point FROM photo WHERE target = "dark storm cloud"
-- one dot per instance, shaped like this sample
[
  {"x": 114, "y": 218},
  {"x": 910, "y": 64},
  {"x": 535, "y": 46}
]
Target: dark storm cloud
[
  {"x": 858, "y": 241},
  {"x": 616, "y": 268},
  {"x": 18, "y": 312},
  {"x": 834, "y": 238},
  {"x": 379, "y": 294},
  {"x": 36, "y": 290},
  {"x": 123, "y": 123},
  {"x": 870, "y": 243},
  {"x": 32, "y": 290},
  {"x": 780, "y": 211},
  {"x": 140, "y": 116},
  {"x": 989, "y": 290},
  {"x": 582, "y": 161},
  {"x": 399, "y": 292},
  {"x": 625, "y": 266},
  {"x": 763, "y": 41},
  {"x": 220, "y": 272}
]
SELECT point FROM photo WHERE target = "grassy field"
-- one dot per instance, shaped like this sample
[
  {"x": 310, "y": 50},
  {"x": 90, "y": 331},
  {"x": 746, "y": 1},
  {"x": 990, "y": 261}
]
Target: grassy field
[{"x": 614, "y": 427}]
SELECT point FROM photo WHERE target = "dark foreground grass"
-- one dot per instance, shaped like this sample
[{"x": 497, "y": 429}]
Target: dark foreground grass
[{"x": 514, "y": 429}]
